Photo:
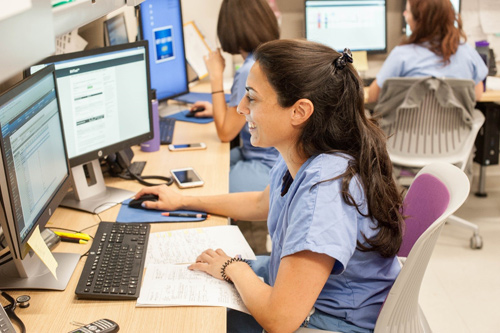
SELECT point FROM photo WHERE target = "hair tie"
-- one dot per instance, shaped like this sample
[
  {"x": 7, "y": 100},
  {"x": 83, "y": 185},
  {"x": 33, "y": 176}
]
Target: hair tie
[{"x": 342, "y": 61}]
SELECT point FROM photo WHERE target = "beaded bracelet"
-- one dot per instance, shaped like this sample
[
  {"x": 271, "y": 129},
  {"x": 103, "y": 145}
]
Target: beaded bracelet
[
  {"x": 216, "y": 92},
  {"x": 227, "y": 263}
]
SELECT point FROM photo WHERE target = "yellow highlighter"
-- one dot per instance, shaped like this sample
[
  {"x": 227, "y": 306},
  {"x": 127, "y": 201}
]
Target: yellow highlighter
[{"x": 76, "y": 235}]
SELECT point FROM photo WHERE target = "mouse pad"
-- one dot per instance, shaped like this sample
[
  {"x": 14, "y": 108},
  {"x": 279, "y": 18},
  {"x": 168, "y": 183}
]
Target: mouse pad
[
  {"x": 182, "y": 117},
  {"x": 193, "y": 97},
  {"x": 134, "y": 215}
]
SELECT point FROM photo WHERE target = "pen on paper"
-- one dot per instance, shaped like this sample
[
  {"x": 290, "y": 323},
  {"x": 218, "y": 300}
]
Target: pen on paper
[{"x": 197, "y": 215}]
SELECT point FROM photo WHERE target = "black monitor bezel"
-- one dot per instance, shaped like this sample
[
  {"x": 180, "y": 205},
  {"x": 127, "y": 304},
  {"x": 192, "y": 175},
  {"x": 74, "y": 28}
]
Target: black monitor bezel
[
  {"x": 378, "y": 51},
  {"x": 21, "y": 246},
  {"x": 141, "y": 36},
  {"x": 115, "y": 147}
]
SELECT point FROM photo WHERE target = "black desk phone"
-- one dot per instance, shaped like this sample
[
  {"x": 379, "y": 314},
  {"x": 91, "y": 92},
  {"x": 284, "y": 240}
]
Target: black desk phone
[
  {"x": 5, "y": 323},
  {"x": 98, "y": 326}
]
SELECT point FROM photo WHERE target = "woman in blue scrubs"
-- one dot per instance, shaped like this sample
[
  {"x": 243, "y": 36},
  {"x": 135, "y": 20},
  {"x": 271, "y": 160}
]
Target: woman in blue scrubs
[
  {"x": 242, "y": 25},
  {"x": 332, "y": 206},
  {"x": 436, "y": 47}
]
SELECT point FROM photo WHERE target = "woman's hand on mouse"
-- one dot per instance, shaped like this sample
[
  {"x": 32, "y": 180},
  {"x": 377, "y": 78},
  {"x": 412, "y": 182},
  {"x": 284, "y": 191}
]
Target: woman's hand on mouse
[
  {"x": 208, "y": 112},
  {"x": 168, "y": 199}
]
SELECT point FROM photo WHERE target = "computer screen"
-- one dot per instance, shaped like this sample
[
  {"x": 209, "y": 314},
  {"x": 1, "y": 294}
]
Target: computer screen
[
  {"x": 161, "y": 25},
  {"x": 105, "y": 103},
  {"x": 115, "y": 30},
  {"x": 406, "y": 28},
  {"x": 360, "y": 25},
  {"x": 34, "y": 168}
]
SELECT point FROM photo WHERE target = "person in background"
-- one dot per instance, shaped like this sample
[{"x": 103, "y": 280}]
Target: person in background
[
  {"x": 241, "y": 27},
  {"x": 332, "y": 207},
  {"x": 436, "y": 47}
]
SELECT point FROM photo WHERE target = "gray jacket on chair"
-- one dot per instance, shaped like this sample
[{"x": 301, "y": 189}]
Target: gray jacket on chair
[{"x": 401, "y": 93}]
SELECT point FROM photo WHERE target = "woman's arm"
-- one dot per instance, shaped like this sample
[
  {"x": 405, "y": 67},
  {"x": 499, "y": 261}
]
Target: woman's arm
[
  {"x": 281, "y": 308},
  {"x": 227, "y": 121},
  {"x": 373, "y": 92},
  {"x": 248, "y": 206},
  {"x": 479, "y": 89}
]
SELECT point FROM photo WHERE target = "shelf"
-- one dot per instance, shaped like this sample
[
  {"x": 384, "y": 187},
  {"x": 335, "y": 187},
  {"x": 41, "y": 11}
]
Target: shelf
[{"x": 75, "y": 14}]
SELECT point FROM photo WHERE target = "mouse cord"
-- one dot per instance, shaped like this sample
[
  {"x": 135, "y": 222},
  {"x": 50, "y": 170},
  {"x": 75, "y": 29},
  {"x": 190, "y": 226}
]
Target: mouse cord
[{"x": 169, "y": 181}]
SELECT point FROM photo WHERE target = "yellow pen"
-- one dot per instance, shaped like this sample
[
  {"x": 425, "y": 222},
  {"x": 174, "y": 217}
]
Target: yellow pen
[{"x": 77, "y": 235}]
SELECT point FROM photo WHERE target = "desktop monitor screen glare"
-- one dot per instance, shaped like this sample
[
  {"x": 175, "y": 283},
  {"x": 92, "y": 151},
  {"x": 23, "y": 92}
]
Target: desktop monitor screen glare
[
  {"x": 34, "y": 178},
  {"x": 105, "y": 105},
  {"x": 406, "y": 28},
  {"x": 161, "y": 25},
  {"x": 115, "y": 30},
  {"x": 359, "y": 25}
]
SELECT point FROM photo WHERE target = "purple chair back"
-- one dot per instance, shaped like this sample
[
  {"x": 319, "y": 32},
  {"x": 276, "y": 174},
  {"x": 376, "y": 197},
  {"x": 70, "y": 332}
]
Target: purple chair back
[{"x": 426, "y": 200}]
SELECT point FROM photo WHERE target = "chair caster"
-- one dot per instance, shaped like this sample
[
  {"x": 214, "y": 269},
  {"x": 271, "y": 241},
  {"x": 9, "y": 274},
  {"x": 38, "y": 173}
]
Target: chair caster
[{"x": 476, "y": 242}]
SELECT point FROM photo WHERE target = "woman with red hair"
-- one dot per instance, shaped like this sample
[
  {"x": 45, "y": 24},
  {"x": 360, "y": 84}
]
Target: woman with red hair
[{"x": 436, "y": 47}]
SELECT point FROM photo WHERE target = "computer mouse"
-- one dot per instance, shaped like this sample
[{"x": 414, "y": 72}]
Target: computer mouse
[
  {"x": 195, "y": 110},
  {"x": 137, "y": 203}
]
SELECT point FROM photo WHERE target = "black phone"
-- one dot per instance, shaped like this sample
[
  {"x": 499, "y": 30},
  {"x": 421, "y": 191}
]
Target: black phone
[{"x": 98, "y": 326}]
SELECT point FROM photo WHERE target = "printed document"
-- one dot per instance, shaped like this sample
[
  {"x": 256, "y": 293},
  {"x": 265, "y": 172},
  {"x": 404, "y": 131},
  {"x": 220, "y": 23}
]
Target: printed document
[{"x": 168, "y": 281}]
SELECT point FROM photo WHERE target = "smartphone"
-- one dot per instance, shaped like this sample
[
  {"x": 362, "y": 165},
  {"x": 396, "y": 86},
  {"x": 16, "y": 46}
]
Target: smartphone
[
  {"x": 187, "y": 146},
  {"x": 186, "y": 177}
]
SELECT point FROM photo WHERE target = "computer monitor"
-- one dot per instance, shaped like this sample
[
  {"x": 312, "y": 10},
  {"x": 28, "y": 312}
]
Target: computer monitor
[
  {"x": 360, "y": 25},
  {"x": 160, "y": 23},
  {"x": 406, "y": 28},
  {"x": 115, "y": 30},
  {"x": 34, "y": 178},
  {"x": 105, "y": 103}
]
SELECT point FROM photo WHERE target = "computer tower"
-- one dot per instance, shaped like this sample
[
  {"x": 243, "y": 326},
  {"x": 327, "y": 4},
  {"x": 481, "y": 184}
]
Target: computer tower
[{"x": 488, "y": 140}]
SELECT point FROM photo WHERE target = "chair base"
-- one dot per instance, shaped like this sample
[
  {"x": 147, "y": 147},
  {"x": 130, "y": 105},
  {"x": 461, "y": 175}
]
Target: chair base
[{"x": 476, "y": 241}]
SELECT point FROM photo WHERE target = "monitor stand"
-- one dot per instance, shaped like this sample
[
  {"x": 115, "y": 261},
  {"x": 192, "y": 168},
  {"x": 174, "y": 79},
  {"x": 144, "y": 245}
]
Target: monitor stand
[
  {"x": 37, "y": 275},
  {"x": 92, "y": 195}
]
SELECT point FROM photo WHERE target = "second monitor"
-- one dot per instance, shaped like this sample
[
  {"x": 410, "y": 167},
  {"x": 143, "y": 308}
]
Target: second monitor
[
  {"x": 360, "y": 25},
  {"x": 105, "y": 103}
]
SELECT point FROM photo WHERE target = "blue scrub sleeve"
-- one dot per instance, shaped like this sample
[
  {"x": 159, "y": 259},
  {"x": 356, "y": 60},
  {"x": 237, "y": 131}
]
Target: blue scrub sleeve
[{"x": 321, "y": 222}]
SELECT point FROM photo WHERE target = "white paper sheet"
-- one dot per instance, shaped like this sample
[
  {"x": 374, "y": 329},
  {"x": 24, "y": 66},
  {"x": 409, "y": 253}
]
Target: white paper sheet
[
  {"x": 196, "y": 49},
  {"x": 176, "y": 285},
  {"x": 183, "y": 246}
]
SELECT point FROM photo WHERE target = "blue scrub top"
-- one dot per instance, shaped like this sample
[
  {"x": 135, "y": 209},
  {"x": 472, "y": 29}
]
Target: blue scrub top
[
  {"x": 415, "y": 60},
  {"x": 267, "y": 156},
  {"x": 316, "y": 218}
]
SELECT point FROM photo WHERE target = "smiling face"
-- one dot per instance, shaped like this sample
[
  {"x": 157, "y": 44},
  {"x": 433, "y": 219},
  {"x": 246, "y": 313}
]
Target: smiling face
[{"x": 270, "y": 124}]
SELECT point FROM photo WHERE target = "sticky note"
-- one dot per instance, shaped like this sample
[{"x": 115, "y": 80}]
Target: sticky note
[
  {"x": 41, "y": 249},
  {"x": 360, "y": 61}
]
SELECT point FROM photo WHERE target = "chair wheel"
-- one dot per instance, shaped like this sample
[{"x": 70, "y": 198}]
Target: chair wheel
[{"x": 476, "y": 242}]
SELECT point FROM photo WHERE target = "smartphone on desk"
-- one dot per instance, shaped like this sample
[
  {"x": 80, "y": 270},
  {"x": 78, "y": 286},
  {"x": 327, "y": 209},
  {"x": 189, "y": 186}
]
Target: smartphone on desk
[
  {"x": 186, "y": 178},
  {"x": 187, "y": 146}
]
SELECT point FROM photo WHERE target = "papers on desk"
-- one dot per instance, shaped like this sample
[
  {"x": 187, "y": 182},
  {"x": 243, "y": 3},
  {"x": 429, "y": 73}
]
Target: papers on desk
[
  {"x": 175, "y": 285},
  {"x": 168, "y": 281},
  {"x": 493, "y": 83}
]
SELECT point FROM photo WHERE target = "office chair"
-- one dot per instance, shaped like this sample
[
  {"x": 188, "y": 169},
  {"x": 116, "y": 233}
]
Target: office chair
[
  {"x": 437, "y": 191},
  {"x": 429, "y": 120}
]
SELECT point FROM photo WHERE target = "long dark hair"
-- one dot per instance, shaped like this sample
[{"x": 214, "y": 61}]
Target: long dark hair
[
  {"x": 435, "y": 24},
  {"x": 244, "y": 24},
  {"x": 299, "y": 69}
]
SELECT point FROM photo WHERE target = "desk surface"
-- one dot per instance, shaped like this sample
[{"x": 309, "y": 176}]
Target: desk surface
[{"x": 53, "y": 311}]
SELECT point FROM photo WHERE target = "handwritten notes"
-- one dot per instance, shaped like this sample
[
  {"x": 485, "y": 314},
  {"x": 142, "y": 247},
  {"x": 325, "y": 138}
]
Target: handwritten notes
[{"x": 168, "y": 281}]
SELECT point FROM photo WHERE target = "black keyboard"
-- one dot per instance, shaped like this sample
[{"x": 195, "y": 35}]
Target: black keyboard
[
  {"x": 167, "y": 126},
  {"x": 114, "y": 267}
]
